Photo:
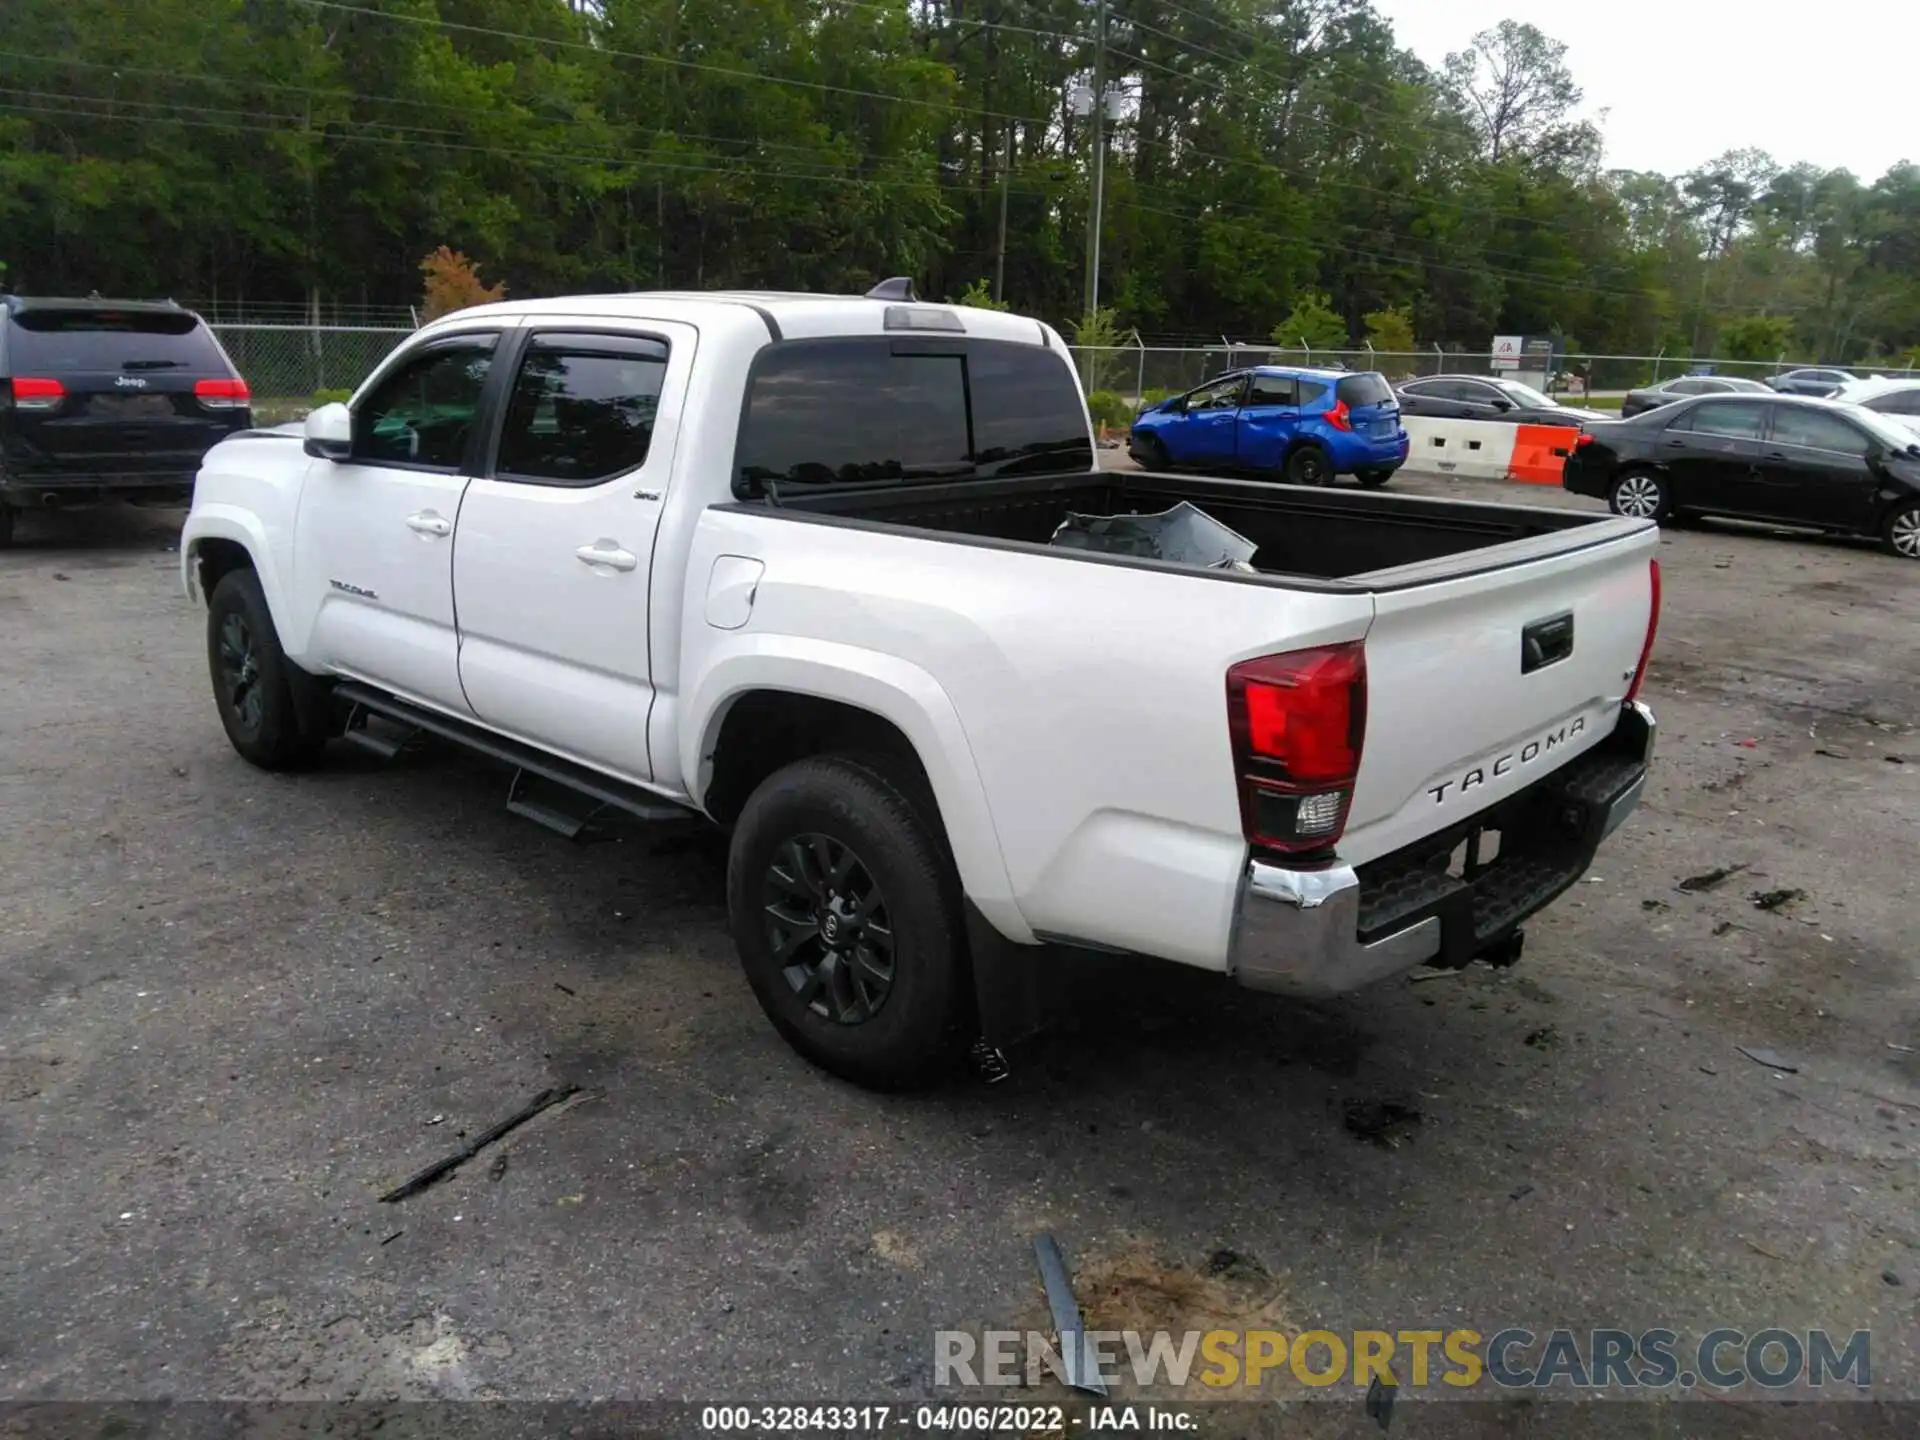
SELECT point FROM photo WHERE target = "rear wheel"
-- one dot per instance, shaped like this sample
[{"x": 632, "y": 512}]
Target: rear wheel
[
  {"x": 1639, "y": 494},
  {"x": 1373, "y": 479},
  {"x": 259, "y": 693},
  {"x": 1309, "y": 466},
  {"x": 1901, "y": 535},
  {"x": 846, "y": 913}
]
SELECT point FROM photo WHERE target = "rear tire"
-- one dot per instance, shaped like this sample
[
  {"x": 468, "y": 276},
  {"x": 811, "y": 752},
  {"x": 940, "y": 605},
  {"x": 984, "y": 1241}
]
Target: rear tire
[
  {"x": 263, "y": 698},
  {"x": 1373, "y": 479},
  {"x": 1901, "y": 534},
  {"x": 846, "y": 913},
  {"x": 1641, "y": 495},
  {"x": 1309, "y": 466}
]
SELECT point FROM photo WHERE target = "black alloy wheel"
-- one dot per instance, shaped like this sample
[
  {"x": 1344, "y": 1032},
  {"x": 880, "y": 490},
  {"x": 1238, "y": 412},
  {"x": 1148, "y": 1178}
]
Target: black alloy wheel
[
  {"x": 1308, "y": 466},
  {"x": 828, "y": 928},
  {"x": 240, "y": 686}
]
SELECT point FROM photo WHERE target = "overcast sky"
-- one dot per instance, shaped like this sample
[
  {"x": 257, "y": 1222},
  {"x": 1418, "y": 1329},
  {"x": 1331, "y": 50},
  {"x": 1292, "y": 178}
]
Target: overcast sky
[{"x": 1684, "y": 80}]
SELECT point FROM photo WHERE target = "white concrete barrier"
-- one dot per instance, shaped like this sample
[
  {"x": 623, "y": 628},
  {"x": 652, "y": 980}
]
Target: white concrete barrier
[{"x": 1481, "y": 449}]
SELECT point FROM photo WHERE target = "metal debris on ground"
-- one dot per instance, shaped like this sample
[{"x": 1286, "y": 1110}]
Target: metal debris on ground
[
  {"x": 1776, "y": 899},
  {"x": 1520, "y": 1192},
  {"x": 1082, "y": 1367},
  {"x": 1380, "y": 1403},
  {"x": 1772, "y": 1059},
  {"x": 414, "y": 1184},
  {"x": 989, "y": 1063},
  {"x": 1710, "y": 880},
  {"x": 1384, "y": 1122}
]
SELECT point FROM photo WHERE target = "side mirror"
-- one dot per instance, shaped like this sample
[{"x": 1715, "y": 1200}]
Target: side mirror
[
  {"x": 330, "y": 432},
  {"x": 1503, "y": 405}
]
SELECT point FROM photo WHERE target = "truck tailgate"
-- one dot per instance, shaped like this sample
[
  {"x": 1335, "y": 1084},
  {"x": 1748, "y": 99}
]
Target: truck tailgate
[{"x": 1480, "y": 684}]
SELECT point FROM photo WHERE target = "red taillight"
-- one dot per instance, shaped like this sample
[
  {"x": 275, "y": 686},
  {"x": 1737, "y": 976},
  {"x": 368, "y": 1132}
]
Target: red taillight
[
  {"x": 31, "y": 393},
  {"x": 1297, "y": 722},
  {"x": 1581, "y": 440},
  {"x": 222, "y": 394},
  {"x": 1339, "y": 417},
  {"x": 1653, "y": 624}
]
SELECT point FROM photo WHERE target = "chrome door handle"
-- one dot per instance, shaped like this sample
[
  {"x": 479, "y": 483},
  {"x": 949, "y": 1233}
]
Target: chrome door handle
[
  {"x": 612, "y": 556},
  {"x": 428, "y": 523}
]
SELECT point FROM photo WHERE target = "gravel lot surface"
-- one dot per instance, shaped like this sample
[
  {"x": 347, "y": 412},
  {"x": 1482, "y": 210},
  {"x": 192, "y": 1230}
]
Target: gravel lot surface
[{"x": 235, "y": 1008}]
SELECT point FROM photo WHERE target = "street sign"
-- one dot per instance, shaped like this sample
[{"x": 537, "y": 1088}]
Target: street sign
[{"x": 1506, "y": 351}]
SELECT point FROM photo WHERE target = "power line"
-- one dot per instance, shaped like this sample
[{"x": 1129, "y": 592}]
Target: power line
[{"x": 704, "y": 67}]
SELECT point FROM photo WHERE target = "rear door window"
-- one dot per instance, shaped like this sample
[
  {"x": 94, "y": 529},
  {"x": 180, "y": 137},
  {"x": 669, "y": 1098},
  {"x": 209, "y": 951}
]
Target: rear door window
[
  {"x": 1273, "y": 390},
  {"x": 1364, "y": 389},
  {"x": 86, "y": 340},
  {"x": 1731, "y": 419},
  {"x": 1811, "y": 430},
  {"x": 865, "y": 411}
]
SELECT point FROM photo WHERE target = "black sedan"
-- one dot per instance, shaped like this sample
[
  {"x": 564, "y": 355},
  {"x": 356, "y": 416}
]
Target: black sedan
[
  {"x": 1468, "y": 397},
  {"x": 1679, "y": 387},
  {"x": 1814, "y": 464},
  {"x": 1811, "y": 381}
]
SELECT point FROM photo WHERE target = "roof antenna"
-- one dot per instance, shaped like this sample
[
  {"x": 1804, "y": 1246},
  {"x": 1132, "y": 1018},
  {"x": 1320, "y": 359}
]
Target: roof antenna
[{"x": 900, "y": 287}]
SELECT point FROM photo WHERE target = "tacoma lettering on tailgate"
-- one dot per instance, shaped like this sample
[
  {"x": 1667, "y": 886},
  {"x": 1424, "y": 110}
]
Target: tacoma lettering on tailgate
[{"x": 1525, "y": 755}]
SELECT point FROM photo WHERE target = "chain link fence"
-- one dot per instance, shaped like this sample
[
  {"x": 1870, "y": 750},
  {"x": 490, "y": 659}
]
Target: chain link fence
[
  {"x": 1139, "y": 373},
  {"x": 292, "y": 368}
]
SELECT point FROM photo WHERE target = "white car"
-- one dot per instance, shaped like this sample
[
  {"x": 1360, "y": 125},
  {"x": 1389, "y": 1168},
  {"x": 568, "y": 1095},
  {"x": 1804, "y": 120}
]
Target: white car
[
  {"x": 1895, "y": 396},
  {"x": 784, "y": 561}
]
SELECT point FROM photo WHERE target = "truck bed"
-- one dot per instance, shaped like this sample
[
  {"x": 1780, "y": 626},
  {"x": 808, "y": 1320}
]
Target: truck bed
[{"x": 1366, "y": 539}]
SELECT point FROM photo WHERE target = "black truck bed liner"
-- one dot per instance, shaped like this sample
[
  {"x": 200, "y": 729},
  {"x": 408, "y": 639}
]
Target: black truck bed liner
[{"x": 1322, "y": 534}]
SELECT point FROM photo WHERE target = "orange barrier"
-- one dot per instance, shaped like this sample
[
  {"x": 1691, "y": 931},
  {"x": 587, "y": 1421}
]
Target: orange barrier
[{"x": 1540, "y": 453}]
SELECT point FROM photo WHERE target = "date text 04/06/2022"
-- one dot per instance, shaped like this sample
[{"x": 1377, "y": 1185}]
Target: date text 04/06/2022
[{"x": 941, "y": 1419}]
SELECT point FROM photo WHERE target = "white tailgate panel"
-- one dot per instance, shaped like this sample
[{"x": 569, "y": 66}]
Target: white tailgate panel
[{"x": 1453, "y": 725}]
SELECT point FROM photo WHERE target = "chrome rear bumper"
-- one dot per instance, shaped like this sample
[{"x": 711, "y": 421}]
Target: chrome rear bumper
[{"x": 1336, "y": 928}]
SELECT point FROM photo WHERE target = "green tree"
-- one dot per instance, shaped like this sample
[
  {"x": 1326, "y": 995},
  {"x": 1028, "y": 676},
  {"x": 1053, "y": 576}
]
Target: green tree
[
  {"x": 979, "y": 295},
  {"x": 1391, "y": 329},
  {"x": 1758, "y": 337},
  {"x": 1312, "y": 322}
]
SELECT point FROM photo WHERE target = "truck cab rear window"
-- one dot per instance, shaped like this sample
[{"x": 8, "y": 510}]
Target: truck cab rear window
[
  {"x": 880, "y": 410},
  {"x": 81, "y": 340}
]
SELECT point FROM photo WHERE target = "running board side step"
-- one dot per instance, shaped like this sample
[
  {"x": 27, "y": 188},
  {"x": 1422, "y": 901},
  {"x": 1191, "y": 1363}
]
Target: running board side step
[{"x": 604, "y": 791}]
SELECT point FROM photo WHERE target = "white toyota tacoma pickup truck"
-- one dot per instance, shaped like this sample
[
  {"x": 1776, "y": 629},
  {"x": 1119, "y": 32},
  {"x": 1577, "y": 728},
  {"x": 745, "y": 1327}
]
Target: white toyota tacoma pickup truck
[{"x": 785, "y": 561}]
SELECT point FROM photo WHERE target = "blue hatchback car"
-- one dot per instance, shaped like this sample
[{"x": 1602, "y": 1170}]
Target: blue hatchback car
[{"x": 1301, "y": 426}]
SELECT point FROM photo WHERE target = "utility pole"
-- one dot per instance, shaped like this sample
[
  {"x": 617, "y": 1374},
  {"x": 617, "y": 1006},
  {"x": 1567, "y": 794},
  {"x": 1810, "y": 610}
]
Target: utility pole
[
  {"x": 1000, "y": 252},
  {"x": 1099, "y": 156}
]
